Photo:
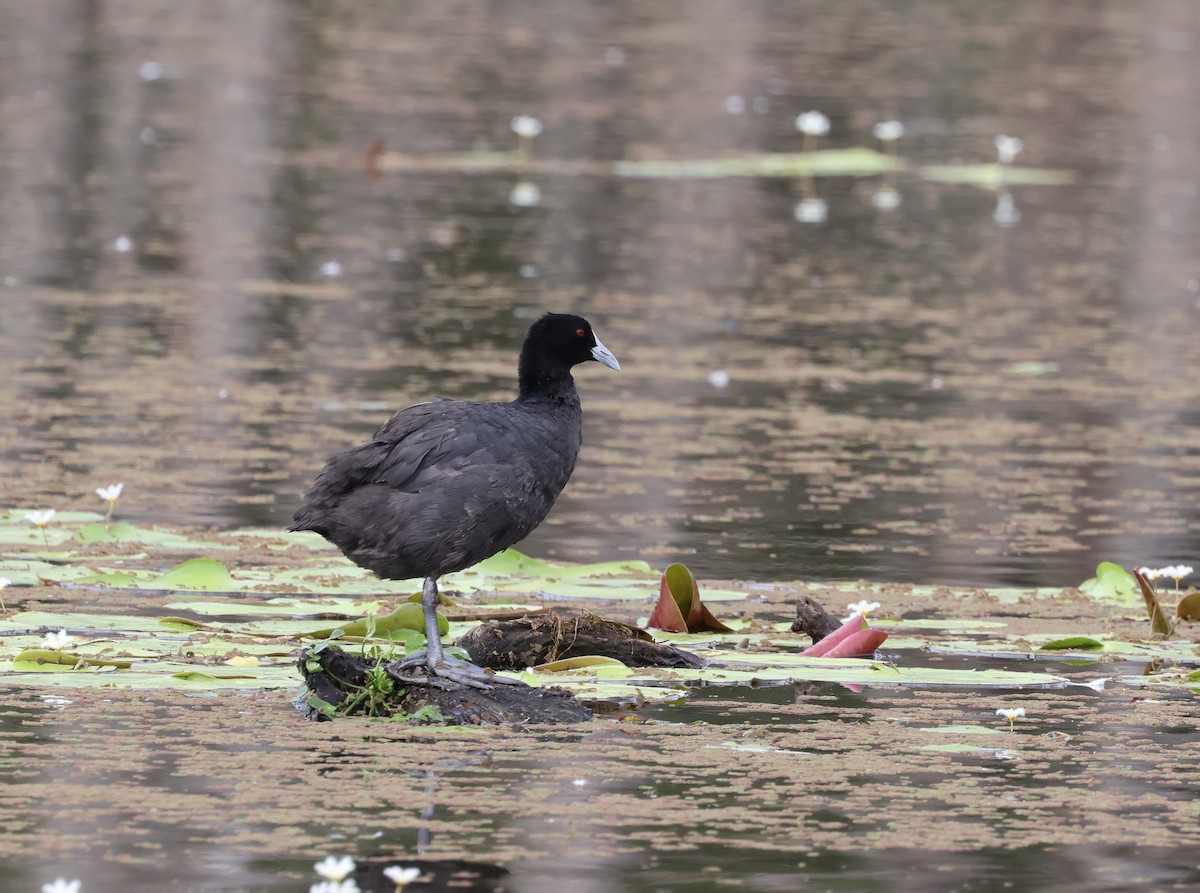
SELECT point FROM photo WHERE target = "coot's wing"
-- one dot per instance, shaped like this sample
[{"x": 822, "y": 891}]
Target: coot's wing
[{"x": 393, "y": 457}]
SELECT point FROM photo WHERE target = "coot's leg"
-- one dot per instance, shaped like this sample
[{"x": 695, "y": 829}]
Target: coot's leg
[
  {"x": 435, "y": 661},
  {"x": 433, "y": 638}
]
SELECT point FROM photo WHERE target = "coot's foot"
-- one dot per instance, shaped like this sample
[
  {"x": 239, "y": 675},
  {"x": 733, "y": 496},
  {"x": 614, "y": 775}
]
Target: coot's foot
[{"x": 449, "y": 668}]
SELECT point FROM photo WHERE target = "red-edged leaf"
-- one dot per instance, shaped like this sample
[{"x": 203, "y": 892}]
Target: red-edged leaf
[
  {"x": 851, "y": 626},
  {"x": 679, "y": 608},
  {"x": 860, "y": 644},
  {"x": 850, "y": 639}
]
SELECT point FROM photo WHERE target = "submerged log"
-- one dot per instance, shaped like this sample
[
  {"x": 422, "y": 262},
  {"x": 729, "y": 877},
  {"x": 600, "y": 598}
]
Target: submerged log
[
  {"x": 343, "y": 684},
  {"x": 542, "y": 638},
  {"x": 813, "y": 619}
]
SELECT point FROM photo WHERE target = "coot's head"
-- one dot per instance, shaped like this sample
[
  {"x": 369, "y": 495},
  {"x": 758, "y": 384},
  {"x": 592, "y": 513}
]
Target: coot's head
[{"x": 554, "y": 344}]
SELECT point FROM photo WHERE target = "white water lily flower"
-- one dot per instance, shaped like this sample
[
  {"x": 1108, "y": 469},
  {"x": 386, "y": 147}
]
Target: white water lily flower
[
  {"x": 1011, "y": 714},
  {"x": 812, "y": 210},
  {"x": 57, "y": 641},
  {"x": 41, "y": 519},
  {"x": 1007, "y": 148},
  {"x": 888, "y": 131},
  {"x": 526, "y": 126},
  {"x": 111, "y": 493},
  {"x": 812, "y": 124},
  {"x": 861, "y": 608},
  {"x": 886, "y": 199},
  {"x": 347, "y": 886},
  {"x": 335, "y": 868},
  {"x": 526, "y": 195},
  {"x": 401, "y": 875},
  {"x": 60, "y": 885}
]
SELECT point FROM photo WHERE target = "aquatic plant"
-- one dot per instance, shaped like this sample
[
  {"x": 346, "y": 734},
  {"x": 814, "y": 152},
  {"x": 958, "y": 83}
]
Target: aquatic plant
[
  {"x": 402, "y": 875},
  {"x": 110, "y": 494},
  {"x": 1011, "y": 714},
  {"x": 40, "y": 520},
  {"x": 526, "y": 127},
  {"x": 57, "y": 641},
  {"x": 61, "y": 885}
]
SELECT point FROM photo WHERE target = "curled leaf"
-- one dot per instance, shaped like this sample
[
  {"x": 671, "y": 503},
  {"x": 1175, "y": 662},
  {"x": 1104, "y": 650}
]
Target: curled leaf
[
  {"x": 1158, "y": 619},
  {"x": 1189, "y": 607},
  {"x": 848, "y": 640},
  {"x": 679, "y": 609},
  {"x": 407, "y": 615}
]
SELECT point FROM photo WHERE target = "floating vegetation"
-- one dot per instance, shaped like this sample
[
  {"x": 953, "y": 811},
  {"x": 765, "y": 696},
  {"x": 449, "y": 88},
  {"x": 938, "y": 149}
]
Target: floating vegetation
[{"x": 146, "y": 616}]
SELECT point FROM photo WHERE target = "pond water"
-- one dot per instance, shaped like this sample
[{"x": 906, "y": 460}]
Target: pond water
[{"x": 234, "y": 237}]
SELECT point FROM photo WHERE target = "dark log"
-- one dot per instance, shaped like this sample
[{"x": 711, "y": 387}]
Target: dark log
[
  {"x": 342, "y": 681},
  {"x": 530, "y": 641}
]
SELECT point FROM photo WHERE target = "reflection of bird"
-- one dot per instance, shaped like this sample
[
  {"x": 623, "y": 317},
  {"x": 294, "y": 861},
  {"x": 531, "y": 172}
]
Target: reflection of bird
[{"x": 446, "y": 484}]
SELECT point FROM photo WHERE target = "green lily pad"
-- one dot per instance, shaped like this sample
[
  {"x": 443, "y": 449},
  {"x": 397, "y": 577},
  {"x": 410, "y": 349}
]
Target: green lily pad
[
  {"x": 1111, "y": 582},
  {"x": 1074, "y": 643},
  {"x": 824, "y": 163},
  {"x": 197, "y": 573},
  {"x": 994, "y": 176}
]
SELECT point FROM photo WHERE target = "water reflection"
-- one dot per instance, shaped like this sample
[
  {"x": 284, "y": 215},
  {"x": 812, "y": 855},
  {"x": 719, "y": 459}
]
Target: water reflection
[{"x": 925, "y": 381}]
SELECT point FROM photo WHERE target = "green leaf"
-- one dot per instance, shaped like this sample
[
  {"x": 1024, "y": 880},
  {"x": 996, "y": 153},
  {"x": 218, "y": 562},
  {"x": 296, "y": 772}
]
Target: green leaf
[
  {"x": 1111, "y": 581},
  {"x": 197, "y": 573},
  {"x": 1074, "y": 643},
  {"x": 65, "y": 659}
]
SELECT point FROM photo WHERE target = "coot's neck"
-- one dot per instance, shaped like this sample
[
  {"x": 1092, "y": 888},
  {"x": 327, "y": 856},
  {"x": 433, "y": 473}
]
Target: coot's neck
[{"x": 536, "y": 378}]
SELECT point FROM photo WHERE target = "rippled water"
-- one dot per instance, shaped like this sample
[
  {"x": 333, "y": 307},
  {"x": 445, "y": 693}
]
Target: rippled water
[{"x": 211, "y": 280}]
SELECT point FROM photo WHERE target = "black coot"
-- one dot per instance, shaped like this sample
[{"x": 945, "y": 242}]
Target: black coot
[{"x": 446, "y": 484}]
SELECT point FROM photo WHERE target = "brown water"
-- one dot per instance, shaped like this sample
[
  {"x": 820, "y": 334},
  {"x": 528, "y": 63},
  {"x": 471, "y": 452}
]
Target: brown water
[{"x": 206, "y": 286}]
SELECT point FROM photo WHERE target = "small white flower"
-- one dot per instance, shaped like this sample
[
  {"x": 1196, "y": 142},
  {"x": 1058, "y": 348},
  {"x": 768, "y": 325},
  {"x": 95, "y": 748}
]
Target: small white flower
[
  {"x": 862, "y": 608},
  {"x": 150, "y": 71},
  {"x": 41, "y": 519},
  {"x": 719, "y": 379},
  {"x": 110, "y": 494},
  {"x": 1007, "y": 148},
  {"x": 123, "y": 245},
  {"x": 1011, "y": 714},
  {"x": 335, "y": 868},
  {"x": 735, "y": 105},
  {"x": 57, "y": 641},
  {"x": 812, "y": 124},
  {"x": 4, "y": 583},
  {"x": 580, "y": 782},
  {"x": 888, "y": 131},
  {"x": 526, "y": 126},
  {"x": 812, "y": 210},
  {"x": 1151, "y": 573},
  {"x": 401, "y": 875},
  {"x": 886, "y": 199},
  {"x": 59, "y": 885},
  {"x": 347, "y": 886},
  {"x": 332, "y": 269},
  {"x": 526, "y": 195}
]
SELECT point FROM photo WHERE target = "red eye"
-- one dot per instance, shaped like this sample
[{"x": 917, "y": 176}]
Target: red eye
[{"x": 580, "y": 333}]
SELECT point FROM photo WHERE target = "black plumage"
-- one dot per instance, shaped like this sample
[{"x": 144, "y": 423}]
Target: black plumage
[{"x": 446, "y": 484}]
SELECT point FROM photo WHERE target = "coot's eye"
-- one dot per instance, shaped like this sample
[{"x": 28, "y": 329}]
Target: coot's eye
[{"x": 580, "y": 333}]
